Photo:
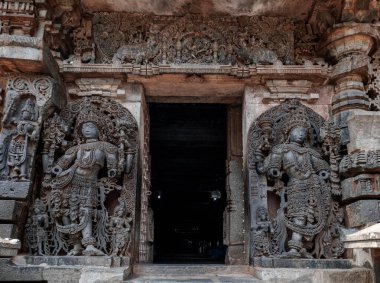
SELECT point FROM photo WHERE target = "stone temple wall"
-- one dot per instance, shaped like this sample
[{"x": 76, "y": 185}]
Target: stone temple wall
[{"x": 304, "y": 137}]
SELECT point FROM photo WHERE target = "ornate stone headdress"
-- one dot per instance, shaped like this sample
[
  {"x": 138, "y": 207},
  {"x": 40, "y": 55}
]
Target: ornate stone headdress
[
  {"x": 91, "y": 114},
  {"x": 297, "y": 118}
]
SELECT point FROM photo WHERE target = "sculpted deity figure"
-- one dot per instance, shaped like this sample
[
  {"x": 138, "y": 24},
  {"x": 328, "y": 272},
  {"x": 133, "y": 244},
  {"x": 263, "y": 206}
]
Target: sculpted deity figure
[
  {"x": 18, "y": 155},
  {"x": 120, "y": 229},
  {"x": 36, "y": 228},
  {"x": 75, "y": 195},
  {"x": 306, "y": 196},
  {"x": 262, "y": 229}
]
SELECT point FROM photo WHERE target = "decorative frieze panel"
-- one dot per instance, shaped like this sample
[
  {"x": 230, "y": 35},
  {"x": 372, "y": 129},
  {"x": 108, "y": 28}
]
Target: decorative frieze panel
[
  {"x": 18, "y": 17},
  {"x": 360, "y": 162},
  {"x": 361, "y": 186},
  {"x": 122, "y": 38}
]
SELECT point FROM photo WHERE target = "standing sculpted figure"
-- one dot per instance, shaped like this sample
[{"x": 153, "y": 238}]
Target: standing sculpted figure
[
  {"x": 306, "y": 197},
  {"x": 75, "y": 197},
  {"x": 19, "y": 147}
]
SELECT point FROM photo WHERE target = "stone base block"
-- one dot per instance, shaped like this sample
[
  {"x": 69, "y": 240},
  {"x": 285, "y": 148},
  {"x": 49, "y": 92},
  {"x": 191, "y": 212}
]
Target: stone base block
[
  {"x": 9, "y": 247},
  {"x": 14, "y": 190},
  {"x": 65, "y": 269},
  {"x": 11, "y": 210},
  {"x": 287, "y": 275},
  {"x": 8, "y": 231},
  {"x": 96, "y": 261},
  {"x": 267, "y": 262},
  {"x": 362, "y": 212}
]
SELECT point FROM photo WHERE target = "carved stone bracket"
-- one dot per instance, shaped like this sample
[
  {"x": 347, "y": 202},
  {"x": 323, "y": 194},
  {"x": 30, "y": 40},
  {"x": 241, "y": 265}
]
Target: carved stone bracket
[
  {"x": 96, "y": 86},
  {"x": 280, "y": 90}
]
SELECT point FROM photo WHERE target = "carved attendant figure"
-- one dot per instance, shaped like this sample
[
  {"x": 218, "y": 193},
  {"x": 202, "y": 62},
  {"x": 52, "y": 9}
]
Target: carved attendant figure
[
  {"x": 306, "y": 198},
  {"x": 18, "y": 152},
  {"x": 75, "y": 192}
]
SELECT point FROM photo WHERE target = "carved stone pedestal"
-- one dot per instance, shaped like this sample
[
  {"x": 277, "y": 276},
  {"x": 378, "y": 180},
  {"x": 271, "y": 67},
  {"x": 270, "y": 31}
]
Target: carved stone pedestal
[{"x": 65, "y": 268}]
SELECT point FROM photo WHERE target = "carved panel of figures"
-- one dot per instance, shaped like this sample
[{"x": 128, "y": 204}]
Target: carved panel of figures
[
  {"x": 89, "y": 161},
  {"x": 140, "y": 39},
  {"x": 295, "y": 154},
  {"x": 28, "y": 100}
]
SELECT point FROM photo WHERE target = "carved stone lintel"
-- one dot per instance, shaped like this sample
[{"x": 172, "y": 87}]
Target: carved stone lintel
[{"x": 280, "y": 90}]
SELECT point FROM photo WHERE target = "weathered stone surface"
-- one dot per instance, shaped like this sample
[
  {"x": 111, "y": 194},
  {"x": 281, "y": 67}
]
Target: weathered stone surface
[
  {"x": 362, "y": 212},
  {"x": 9, "y": 247},
  {"x": 365, "y": 238},
  {"x": 289, "y": 275},
  {"x": 11, "y": 210},
  {"x": 364, "y": 130},
  {"x": 14, "y": 190},
  {"x": 8, "y": 231},
  {"x": 361, "y": 186},
  {"x": 101, "y": 261},
  {"x": 266, "y": 262}
]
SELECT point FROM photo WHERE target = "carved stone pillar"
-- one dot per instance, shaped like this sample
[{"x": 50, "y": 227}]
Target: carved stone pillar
[
  {"x": 28, "y": 102},
  {"x": 235, "y": 224},
  {"x": 349, "y": 45}
]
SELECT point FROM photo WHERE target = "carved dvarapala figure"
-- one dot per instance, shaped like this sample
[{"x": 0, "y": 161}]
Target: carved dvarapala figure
[
  {"x": 289, "y": 146},
  {"x": 88, "y": 154},
  {"x": 74, "y": 197},
  {"x": 307, "y": 193}
]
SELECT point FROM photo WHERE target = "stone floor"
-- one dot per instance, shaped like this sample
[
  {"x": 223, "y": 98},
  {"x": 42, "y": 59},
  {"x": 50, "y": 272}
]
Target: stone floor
[{"x": 115, "y": 269}]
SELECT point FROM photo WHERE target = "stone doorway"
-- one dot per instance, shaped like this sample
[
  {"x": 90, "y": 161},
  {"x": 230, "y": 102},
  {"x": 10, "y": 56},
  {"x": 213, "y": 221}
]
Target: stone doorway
[{"x": 188, "y": 147}]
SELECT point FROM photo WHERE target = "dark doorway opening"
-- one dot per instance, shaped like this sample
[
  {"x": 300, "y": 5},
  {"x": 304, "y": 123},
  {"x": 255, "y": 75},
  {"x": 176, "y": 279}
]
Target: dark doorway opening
[{"x": 188, "y": 145}]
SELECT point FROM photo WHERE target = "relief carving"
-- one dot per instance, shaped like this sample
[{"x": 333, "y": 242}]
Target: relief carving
[
  {"x": 140, "y": 39},
  {"x": 290, "y": 145},
  {"x": 89, "y": 153},
  {"x": 27, "y": 101}
]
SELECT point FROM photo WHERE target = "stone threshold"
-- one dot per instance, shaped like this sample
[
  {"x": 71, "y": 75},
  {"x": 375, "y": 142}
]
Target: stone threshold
[{"x": 267, "y": 262}]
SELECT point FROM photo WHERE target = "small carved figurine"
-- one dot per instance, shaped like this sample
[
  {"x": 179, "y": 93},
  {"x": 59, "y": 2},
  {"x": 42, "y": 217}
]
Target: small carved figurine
[
  {"x": 18, "y": 152},
  {"x": 36, "y": 229},
  {"x": 262, "y": 230},
  {"x": 120, "y": 229}
]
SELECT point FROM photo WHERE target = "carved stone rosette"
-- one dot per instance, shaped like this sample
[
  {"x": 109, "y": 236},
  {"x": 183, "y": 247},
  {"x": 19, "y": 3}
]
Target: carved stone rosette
[
  {"x": 294, "y": 185},
  {"x": 86, "y": 204}
]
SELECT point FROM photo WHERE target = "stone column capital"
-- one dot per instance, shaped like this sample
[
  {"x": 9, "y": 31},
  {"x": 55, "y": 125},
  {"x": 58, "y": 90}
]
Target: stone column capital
[{"x": 349, "y": 39}]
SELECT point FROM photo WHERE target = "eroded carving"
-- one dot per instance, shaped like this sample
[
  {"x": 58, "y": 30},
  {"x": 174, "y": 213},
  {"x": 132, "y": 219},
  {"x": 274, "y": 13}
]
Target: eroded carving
[
  {"x": 140, "y": 39},
  {"x": 27, "y": 101},
  {"x": 96, "y": 139},
  {"x": 289, "y": 144}
]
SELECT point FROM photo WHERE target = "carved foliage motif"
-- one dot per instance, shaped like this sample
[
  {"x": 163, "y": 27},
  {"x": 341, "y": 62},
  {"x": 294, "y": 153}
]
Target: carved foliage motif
[
  {"x": 289, "y": 146},
  {"x": 373, "y": 88},
  {"x": 88, "y": 154},
  {"x": 141, "y": 39},
  {"x": 25, "y": 106}
]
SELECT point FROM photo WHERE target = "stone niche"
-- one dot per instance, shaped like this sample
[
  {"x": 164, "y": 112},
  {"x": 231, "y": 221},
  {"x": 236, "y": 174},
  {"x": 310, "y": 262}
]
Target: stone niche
[
  {"x": 294, "y": 188},
  {"x": 84, "y": 203}
]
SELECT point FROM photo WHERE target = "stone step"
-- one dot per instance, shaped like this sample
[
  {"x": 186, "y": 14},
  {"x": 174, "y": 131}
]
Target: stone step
[
  {"x": 190, "y": 269},
  {"x": 195, "y": 279}
]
